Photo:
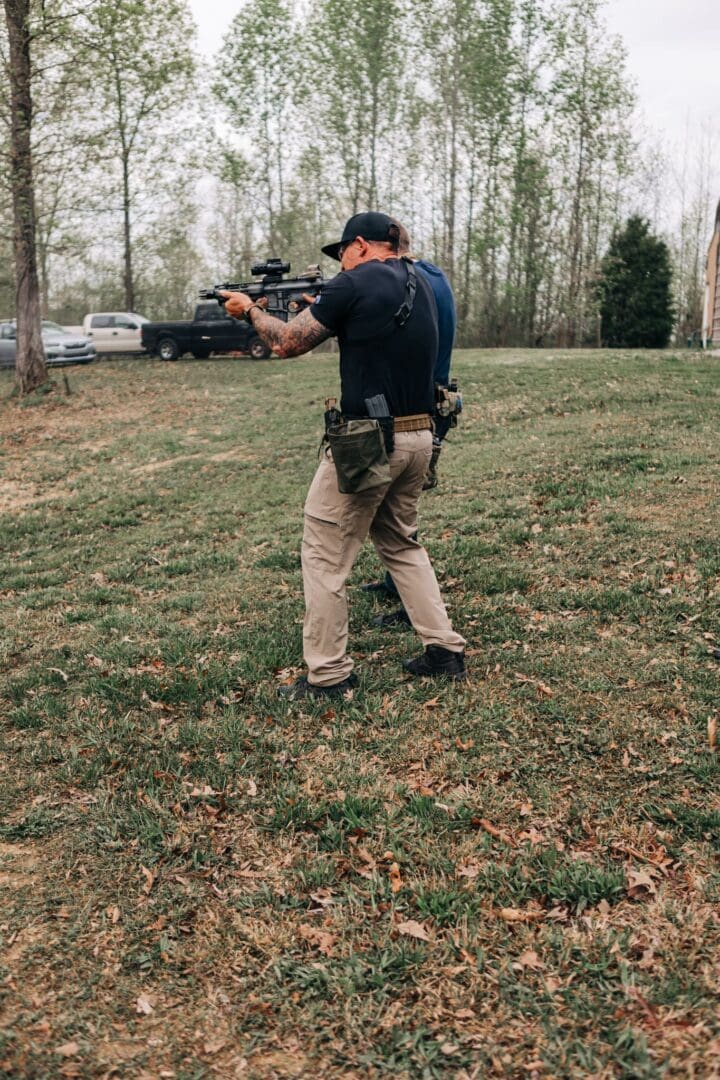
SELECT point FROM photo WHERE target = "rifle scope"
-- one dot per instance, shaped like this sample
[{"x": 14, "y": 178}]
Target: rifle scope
[{"x": 272, "y": 268}]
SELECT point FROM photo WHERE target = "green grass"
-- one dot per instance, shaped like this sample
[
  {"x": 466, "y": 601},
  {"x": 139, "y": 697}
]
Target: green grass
[{"x": 513, "y": 878}]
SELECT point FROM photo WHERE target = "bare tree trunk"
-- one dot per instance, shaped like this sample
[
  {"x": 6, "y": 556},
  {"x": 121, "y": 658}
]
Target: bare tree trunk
[
  {"x": 128, "y": 279},
  {"x": 464, "y": 304},
  {"x": 373, "y": 186},
  {"x": 30, "y": 366},
  {"x": 451, "y": 202}
]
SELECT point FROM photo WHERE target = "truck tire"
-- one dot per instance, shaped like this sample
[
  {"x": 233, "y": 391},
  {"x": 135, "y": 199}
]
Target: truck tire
[
  {"x": 258, "y": 349},
  {"x": 201, "y": 354},
  {"x": 168, "y": 349}
]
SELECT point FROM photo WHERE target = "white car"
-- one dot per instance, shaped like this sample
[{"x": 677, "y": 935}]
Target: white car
[
  {"x": 61, "y": 346},
  {"x": 115, "y": 331}
]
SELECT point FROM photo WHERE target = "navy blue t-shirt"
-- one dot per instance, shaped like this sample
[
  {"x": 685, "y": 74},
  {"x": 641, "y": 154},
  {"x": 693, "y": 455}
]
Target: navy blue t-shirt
[
  {"x": 376, "y": 355},
  {"x": 447, "y": 318}
]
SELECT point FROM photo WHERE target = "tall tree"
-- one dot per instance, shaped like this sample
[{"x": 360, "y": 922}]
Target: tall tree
[
  {"x": 591, "y": 104},
  {"x": 447, "y": 59},
  {"x": 487, "y": 145},
  {"x": 144, "y": 68},
  {"x": 30, "y": 366},
  {"x": 253, "y": 86},
  {"x": 635, "y": 289},
  {"x": 357, "y": 47}
]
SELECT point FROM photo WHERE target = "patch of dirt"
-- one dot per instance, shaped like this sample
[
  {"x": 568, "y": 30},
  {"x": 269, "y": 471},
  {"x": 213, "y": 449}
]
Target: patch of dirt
[
  {"x": 110, "y": 1053},
  {"x": 21, "y": 942},
  {"x": 18, "y": 866},
  {"x": 17, "y": 496},
  {"x": 225, "y": 455},
  {"x": 278, "y": 1063}
]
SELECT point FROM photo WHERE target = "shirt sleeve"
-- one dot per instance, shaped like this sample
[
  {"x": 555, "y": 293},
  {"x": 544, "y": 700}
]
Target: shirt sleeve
[{"x": 332, "y": 305}]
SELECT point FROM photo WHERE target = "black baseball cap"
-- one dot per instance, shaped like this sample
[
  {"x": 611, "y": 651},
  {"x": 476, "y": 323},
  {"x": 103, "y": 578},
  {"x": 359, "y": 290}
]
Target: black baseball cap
[{"x": 371, "y": 225}]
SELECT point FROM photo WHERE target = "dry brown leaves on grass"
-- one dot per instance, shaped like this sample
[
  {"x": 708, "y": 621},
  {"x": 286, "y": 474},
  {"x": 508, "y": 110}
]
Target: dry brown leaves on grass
[{"x": 515, "y": 879}]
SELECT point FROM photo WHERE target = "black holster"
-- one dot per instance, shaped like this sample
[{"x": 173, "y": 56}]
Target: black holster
[{"x": 387, "y": 426}]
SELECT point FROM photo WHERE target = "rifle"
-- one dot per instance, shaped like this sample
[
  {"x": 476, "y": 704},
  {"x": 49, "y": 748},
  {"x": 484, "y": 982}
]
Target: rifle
[{"x": 285, "y": 296}]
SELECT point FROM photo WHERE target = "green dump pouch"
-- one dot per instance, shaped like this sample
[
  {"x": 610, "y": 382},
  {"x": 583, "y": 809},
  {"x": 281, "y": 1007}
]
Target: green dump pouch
[{"x": 358, "y": 450}]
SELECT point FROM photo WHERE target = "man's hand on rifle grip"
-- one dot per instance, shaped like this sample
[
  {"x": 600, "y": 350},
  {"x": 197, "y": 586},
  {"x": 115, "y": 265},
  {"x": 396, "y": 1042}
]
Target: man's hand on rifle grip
[{"x": 237, "y": 303}]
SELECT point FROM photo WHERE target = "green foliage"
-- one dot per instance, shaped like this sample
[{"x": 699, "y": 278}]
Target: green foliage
[{"x": 634, "y": 289}]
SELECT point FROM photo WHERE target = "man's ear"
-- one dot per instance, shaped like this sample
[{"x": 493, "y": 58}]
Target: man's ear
[{"x": 364, "y": 247}]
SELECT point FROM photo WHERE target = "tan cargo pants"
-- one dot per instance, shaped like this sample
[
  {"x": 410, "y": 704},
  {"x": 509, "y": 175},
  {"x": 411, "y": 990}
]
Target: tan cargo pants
[{"x": 336, "y": 527}]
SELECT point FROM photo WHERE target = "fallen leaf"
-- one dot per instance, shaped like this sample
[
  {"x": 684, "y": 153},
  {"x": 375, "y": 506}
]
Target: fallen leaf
[
  {"x": 414, "y": 929},
  {"x": 395, "y": 878},
  {"x": 149, "y": 879},
  {"x": 143, "y": 1005},
  {"x": 640, "y": 884},
  {"x": 114, "y": 913},
  {"x": 516, "y": 915},
  {"x": 712, "y": 732},
  {"x": 321, "y": 939},
  {"x": 529, "y": 959},
  {"x": 213, "y": 1046},
  {"x": 252, "y": 788},
  {"x": 483, "y": 823},
  {"x": 647, "y": 960},
  {"x": 68, "y": 1049}
]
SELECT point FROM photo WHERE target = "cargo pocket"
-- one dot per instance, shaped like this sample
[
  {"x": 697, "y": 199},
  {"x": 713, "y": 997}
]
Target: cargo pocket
[{"x": 324, "y": 502}]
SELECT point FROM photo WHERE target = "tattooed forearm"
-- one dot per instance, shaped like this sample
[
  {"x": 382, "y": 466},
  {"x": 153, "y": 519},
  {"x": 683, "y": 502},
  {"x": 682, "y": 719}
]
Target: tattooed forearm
[{"x": 292, "y": 338}]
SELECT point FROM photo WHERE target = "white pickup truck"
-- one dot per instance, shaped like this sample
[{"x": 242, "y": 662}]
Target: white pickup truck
[{"x": 115, "y": 331}]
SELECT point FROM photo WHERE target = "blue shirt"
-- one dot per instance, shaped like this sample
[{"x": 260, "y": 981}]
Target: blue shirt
[{"x": 447, "y": 319}]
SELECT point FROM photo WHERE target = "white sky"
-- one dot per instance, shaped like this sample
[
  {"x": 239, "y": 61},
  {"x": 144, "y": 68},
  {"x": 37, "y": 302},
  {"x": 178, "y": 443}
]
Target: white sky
[
  {"x": 673, "y": 56},
  {"x": 673, "y": 48}
]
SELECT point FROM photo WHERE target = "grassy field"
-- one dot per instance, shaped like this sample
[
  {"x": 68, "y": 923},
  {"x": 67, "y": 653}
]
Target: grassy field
[{"x": 514, "y": 878}]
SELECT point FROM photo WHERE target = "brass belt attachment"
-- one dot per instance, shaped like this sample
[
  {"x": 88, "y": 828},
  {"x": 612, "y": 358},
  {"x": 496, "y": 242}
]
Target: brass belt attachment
[{"x": 418, "y": 422}]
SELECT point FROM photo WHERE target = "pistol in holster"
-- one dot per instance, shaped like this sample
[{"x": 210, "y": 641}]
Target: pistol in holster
[{"x": 448, "y": 403}]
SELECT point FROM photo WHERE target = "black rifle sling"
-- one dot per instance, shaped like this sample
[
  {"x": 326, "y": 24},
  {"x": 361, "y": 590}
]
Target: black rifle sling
[{"x": 402, "y": 314}]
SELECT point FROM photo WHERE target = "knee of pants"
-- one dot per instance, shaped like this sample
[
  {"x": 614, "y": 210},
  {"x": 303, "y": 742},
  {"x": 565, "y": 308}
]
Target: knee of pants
[{"x": 394, "y": 540}]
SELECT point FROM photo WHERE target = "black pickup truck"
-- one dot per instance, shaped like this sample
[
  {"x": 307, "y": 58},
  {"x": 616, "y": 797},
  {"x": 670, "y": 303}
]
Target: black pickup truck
[{"x": 212, "y": 330}]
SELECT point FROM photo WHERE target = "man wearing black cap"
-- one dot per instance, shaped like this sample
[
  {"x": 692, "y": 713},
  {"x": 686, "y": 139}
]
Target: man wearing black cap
[{"x": 385, "y": 319}]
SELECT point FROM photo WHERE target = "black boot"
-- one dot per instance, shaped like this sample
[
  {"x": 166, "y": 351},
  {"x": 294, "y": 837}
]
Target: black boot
[
  {"x": 386, "y": 587},
  {"x": 301, "y": 688},
  {"x": 438, "y": 661},
  {"x": 399, "y": 617}
]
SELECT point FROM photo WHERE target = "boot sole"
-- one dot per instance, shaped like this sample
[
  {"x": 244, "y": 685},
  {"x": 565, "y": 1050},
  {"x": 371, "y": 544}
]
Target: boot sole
[{"x": 455, "y": 676}]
